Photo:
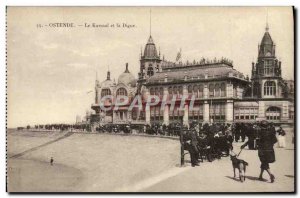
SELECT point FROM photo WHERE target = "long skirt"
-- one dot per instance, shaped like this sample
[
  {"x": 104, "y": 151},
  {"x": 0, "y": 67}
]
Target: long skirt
[
  {"x": 266, "y": 156},
  {"x": 281, "y": 141}
]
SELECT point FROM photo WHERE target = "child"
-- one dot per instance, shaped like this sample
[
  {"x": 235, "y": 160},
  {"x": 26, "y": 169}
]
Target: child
[{"x": 281, "y": 138}]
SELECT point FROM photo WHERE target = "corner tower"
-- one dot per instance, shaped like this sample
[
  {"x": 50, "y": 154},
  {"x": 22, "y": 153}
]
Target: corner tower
[
  {"x": 150, "y": 61},
  {"x": 266, "y": 72}
]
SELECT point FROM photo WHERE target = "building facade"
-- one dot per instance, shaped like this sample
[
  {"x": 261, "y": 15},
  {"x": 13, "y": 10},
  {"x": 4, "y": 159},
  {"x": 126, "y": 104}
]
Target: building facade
[
  {"x": 204, "y": 90},
  {"x": 269, "y": 97}
]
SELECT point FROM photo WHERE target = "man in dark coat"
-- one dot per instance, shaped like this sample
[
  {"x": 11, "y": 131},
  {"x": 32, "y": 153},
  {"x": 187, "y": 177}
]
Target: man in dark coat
[
  {"x": 243, "y": 131},
  {"x": 266, "y": 154},
  {"x": 204, "y": 147},
  {"x": 250, "y": 135},
  {"x": 192, "y": 142},
  {"x": 237, "y": 132}
]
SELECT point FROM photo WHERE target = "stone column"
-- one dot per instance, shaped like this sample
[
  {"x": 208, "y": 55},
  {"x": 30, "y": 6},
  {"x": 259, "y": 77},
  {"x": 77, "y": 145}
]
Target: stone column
[
  {"x": 229, "y": 90},
  {"x": 205, "y": 92},
  {"x": 147, "y": 114},
  {"x": 165, "y": 105},
  {"x": 186, "y": 115},
  {"x": 261, "y": 110},
  {"x": 114, "y": 116},
  {"x": 185, "y": 92},
  {"x": 206, "y": 111},
  {"x": 129, "y": 118},
  {"x": 147, "y": 108},
  {"x": 229, "y": 111},
  {"x": 166, "y": 115}
]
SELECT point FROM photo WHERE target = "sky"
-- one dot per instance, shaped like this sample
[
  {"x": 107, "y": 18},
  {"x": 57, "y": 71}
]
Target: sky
[{"x": 52, "y": 70}]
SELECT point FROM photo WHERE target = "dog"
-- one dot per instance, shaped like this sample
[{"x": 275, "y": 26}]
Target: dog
[{"x": 240, "y": 165}]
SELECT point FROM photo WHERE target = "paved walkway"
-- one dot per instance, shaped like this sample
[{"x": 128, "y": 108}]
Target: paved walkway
[{"x": 217, "y": 176}]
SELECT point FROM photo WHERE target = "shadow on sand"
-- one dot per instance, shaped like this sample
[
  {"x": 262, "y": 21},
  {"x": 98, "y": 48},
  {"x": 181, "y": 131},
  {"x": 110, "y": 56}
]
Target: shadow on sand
[
  {"x": 290, "y": 176},
  {"x": 234, "y": 178},
  {"x": 247, "y": 177},
  {"x": 186, "y": 163}
]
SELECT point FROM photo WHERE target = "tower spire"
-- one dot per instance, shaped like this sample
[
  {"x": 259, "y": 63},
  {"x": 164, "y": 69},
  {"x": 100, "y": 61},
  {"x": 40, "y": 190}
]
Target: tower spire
[
  {"x": 150, "y": 22},
  {"x": 267, "y": 22},
  {"x": 108, "y": 73}
]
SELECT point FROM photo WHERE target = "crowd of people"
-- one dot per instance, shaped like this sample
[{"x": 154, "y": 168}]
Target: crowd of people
[
  {"x": 58, "y": 127},
  {"x": 215, "y": 140}
]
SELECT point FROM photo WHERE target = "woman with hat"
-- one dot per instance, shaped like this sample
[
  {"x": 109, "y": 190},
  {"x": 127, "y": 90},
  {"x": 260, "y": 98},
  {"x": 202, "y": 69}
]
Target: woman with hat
[{"x": 266, "y": 154}]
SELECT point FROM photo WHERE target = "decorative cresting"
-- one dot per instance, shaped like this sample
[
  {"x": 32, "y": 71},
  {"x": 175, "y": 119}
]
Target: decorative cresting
[{"x": 150, "y": 51}]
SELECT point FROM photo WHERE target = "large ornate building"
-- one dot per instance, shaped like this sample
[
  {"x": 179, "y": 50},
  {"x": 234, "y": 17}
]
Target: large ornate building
[
  {"x": 219, "y": 93},
  {"x": 269, "y": 96}
]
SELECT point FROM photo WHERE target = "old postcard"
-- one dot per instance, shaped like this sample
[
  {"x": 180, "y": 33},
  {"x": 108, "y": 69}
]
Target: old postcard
[{"x": 150, "y": 99}]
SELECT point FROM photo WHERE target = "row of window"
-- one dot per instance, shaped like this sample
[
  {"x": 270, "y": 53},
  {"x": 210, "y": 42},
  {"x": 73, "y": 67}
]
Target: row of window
[
  {"x": 215, "y": 90},
  {"x": 216, "y": 111},
  {"x": 120, "y": 92},
  {"x": 272, "y": 113},
  {"x": 246, "y": 113},
  {"x": 245, "y": 117}
]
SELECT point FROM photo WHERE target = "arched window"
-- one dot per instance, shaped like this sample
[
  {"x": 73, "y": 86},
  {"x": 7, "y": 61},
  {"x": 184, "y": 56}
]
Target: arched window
[
  {"x": 270, "y": 88},
  {"x": 223, "y": 90},
  {"x": 273, "y": 113},
  {"x": 170, "y": 90},
  {"x": 161, "y": 91},
  {"x": 105, "y": 92},
  {"x": 190, "y": 89},
  {"x": 211, "y": 90},
  {"x": 175, "y": 90},
  {"x": 152, "y": 91},
  {"x": 150, "y": 71},
  {"x": 121, "y": 92},
  {"x": 180, "y": 90},
  {"x": 195, "y": 91},
  {"x": 200, "y": 88},
  {"x": 156, "y": 91},
  {"x": 217, "y": 90}
]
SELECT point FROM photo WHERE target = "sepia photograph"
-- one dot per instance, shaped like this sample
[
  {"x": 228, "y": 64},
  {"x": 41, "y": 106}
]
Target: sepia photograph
[{"x": 150, "y": 99}]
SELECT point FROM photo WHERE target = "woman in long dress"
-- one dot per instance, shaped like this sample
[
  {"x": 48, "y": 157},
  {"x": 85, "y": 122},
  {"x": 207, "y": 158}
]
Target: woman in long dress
[{"x": 266, "y": 154}]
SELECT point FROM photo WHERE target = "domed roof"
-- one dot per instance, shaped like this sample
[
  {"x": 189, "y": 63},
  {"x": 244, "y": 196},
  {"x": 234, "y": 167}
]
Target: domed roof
[
  {"x": 150, "y": 49},
  {"x": 127, "y": 78}
]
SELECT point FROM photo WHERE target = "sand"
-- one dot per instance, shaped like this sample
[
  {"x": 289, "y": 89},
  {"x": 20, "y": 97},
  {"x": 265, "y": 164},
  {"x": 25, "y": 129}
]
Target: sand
[{"x": 114, "y": 163}]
